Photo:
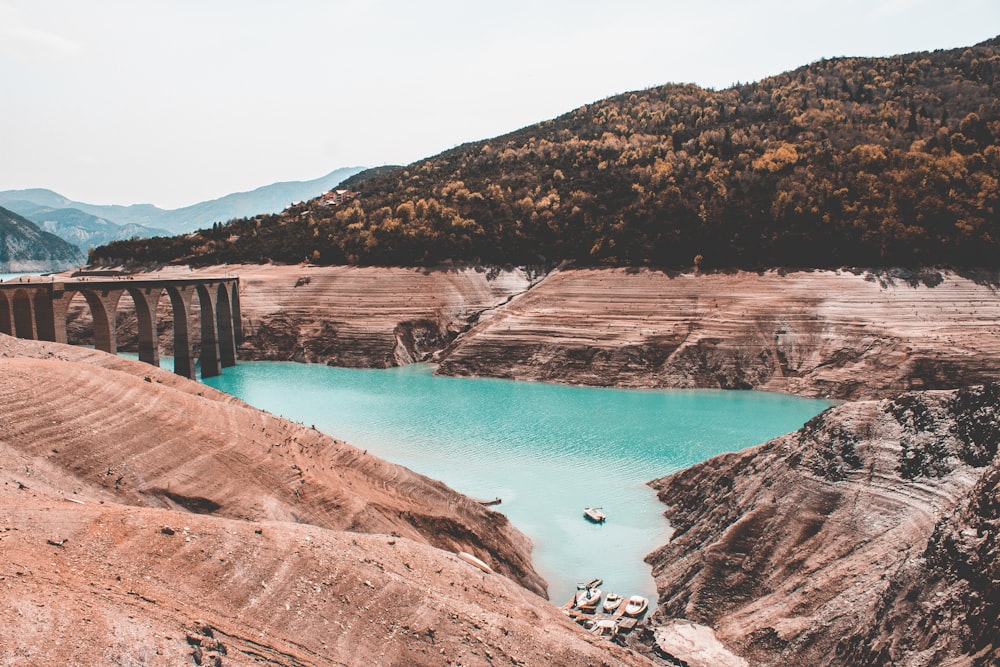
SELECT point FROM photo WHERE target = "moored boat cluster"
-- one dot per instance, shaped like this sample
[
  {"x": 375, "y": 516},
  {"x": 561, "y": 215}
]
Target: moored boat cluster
[{"x": 615, "y": 615}]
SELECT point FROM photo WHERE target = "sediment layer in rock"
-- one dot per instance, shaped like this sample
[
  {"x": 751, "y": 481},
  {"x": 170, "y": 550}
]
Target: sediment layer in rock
[
  {"x": 110, "y": 584},
  {"x": 868, "y": 537},
  {"x": 364, "y": 317},
  {"x": 140, "y": 435},
  {"x": 813, "y": 333},
  {"x": 837, "y": 334}
]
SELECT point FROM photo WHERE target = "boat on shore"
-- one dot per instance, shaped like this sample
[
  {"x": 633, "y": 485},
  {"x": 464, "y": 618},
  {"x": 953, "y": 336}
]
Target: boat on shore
[
  {"x": 612, "y": 602},
  {"x": 594, "y": 514},
  {"x": 476, "y": 562},
  {"x": 587, "y": 597},
  {"x": 636, "y": 606}
]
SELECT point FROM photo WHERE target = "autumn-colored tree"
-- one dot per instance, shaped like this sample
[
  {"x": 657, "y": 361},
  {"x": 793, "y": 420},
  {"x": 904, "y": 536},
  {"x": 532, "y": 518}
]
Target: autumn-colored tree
[{"x": 845, "y": 161}]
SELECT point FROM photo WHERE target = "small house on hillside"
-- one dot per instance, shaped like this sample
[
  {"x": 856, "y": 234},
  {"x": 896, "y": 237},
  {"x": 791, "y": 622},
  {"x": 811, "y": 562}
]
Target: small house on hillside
[{"x": 336, "y": 197}]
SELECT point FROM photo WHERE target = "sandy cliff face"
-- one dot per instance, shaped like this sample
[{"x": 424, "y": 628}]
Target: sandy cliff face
[
  {"x": 816, "y": 333},
  {"x": 358, "y": 317},
  {"x": 364, "y": 317},
  {"x": 819, "y": 333},
  {"x": 145, "y": 518},
  {"x": 868, "y": 537}
]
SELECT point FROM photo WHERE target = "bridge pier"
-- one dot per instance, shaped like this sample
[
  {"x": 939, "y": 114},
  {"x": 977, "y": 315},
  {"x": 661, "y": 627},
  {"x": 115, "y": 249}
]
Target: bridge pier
[
  {"x": 145, "y": 301},
  {"x": 39, "y": 311},
  {"x": 6, "y": 315},
  {"x": 209, "y": 358},
  {"x": 227, "y": 335},
  {"x": 180, "y": 300},
  {"x": 24, "y": 314},
  {"x": 104, "y": 308}
]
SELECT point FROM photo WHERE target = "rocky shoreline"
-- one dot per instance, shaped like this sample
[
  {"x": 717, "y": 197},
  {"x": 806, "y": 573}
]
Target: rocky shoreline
[
  {"x": 868, "y": 537},
  {"x": 833, "y": 334},
  {"x": 836, "y": 334}
]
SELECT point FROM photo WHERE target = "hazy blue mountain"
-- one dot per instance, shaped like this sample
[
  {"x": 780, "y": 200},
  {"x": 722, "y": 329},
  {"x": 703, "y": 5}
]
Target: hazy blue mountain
[
  {"x": 266, "y": 199},
  {"x": 25, "y": 247},
  {"x": 81, "y": 229},
  {"x": 272, "y": 198},
  {"x": 135, "y": 214}
]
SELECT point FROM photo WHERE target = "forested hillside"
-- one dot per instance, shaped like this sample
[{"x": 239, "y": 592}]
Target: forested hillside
[{"x": 850, "y": 161}]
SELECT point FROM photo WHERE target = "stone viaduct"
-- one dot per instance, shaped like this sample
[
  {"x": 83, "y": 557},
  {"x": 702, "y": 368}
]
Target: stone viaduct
[{"x": 38, "y": 310}]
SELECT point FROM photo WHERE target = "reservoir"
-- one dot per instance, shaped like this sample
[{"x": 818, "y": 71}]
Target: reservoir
[{"x": 547, "y": 451}]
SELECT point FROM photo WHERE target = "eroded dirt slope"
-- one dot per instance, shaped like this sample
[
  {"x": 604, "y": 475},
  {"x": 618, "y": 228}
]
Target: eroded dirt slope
[
  {"x": 140, "y": 435},
  {"x": 144, "y": 517},
  {"x": 868, "y": 537},
  {"x": 108, "y": 584}
]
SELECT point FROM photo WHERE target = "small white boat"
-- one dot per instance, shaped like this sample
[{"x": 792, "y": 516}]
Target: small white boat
[
  {"x": 587, "y": 597},
  {"x": 636, "y": 606},
  {"x": 612, "y": 602},
  {"x": 472, "y": 560},
  {"x": 594, "y": 514}
]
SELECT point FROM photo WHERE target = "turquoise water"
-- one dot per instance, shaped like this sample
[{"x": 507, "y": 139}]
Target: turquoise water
[{"x": 546, "y": 450}]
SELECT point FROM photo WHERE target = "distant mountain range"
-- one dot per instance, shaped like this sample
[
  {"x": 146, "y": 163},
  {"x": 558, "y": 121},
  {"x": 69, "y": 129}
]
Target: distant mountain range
[
  {"x": 26, "y": 247},
  {"x": 91, "y": 225},
  {"x": 82, "y": 229}
]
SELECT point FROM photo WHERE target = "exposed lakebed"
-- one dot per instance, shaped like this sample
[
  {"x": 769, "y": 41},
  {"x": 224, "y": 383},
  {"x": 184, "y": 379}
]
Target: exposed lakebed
[{"x": 546, "y": 450}]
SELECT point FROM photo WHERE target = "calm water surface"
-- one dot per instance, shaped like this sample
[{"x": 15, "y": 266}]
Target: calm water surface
[{"x": 546, "y": 450}]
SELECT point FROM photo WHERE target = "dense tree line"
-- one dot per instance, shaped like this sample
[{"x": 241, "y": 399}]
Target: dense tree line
[{"x": 850, "y": 161}]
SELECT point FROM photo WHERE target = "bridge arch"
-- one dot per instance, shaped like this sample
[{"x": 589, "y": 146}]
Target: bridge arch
[
  {"x": 209, "y": 357},
  {"x": 145, "y": 302},
  {"x": 6, "y": 315},
  {"x": 180, "y": 303},
  {"x": 41, "y": 310},
  {"x": 44, "y": 316},
  {"x": 104, "y": 309},
  {"x": 24, "y": 314}
]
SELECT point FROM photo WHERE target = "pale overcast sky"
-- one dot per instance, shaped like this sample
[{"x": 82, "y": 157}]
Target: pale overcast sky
[{"x": 173, "y": 102}]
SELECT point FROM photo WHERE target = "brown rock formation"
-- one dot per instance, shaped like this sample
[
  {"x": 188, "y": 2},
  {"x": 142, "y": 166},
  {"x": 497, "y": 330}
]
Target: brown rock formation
[
  {"x": 816, "y": 333},
  {"x": 358, "y": 317},
  {"x": 364, "y": 317},
  {"x": 868, "y": 537},
  {"x": 813, "y": 333},
  {"x": 148, "y": 519}
]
